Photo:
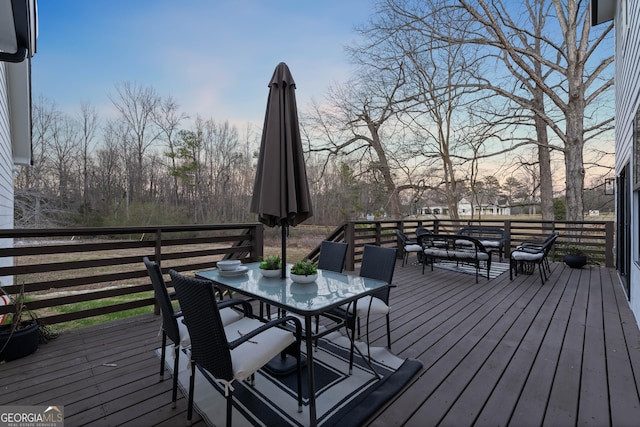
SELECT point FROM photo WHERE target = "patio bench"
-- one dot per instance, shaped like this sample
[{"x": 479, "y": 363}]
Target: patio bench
[
  {"x": 454, "y": 247},
  {"x": 492, "y": 238}
]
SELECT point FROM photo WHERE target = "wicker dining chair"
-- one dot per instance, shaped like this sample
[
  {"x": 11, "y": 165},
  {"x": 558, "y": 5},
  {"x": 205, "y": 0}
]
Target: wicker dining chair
[
  {"x": 237, "y": 351},
  {"x": 172, "y": 325},
  {"x": 377, "y": 263},
  {"x": 332, "y": 256}
]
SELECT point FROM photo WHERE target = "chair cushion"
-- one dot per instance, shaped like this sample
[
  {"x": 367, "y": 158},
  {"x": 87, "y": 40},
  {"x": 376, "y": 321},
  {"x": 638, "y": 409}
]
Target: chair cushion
[
  {"x": 412, "y": 248},
  {"x": 229, "y": 315},
  {"x": 490, "y": 243},
  {"x": 377, "y": 306},
  {"x": 255, "y": 353},
  {"x": 526, "y": 256},
  {"x": 443, "y": 253}
]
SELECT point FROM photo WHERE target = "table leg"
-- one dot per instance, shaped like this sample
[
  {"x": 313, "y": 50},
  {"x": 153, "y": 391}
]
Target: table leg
[{"x": 312, "y": 389}]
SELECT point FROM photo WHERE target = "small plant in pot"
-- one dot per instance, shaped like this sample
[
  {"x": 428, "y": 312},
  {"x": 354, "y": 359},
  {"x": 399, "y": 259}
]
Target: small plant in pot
[
  {"x": 305, "y": 271},
  {"x": 575, "y": 257},
  {"x": 20, "y": 332},
  {"x": 271, "y": 266}
]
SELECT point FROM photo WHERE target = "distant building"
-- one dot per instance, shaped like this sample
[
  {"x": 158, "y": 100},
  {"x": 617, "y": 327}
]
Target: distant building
[{"x": 500, "y": 207}]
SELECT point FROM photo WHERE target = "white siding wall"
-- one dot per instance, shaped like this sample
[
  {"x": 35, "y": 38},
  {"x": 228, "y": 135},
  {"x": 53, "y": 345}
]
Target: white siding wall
[
  {"x": 6, "y": 158},
  {"x": 6, "y": 170},
  {"x": 627, "y": 103}
]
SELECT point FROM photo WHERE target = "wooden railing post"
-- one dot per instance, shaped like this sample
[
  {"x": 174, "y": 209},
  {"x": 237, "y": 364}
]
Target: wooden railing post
[
  {"x": 507, "y": 235},
  {"x": 158, "y": 259},
  {"x": 257, "y": 236},
  {"x": 608, "y": 245},
  {"x": 349, "y": 237}
]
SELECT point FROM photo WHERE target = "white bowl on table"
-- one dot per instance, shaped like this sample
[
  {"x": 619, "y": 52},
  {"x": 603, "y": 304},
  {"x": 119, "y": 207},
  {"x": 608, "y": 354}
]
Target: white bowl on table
[{"x": 228, "y": 264}]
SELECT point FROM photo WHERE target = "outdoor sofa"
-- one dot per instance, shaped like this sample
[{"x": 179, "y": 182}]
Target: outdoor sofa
[{"x": 453, "y": 247}]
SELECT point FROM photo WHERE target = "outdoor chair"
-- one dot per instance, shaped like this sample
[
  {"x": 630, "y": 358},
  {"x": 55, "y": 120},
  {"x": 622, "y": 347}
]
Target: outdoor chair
[
  {"x": 377, "y": 263},
  {"x": 234, "y": 352},
  {"x": 408, "y": 246},
  {"x": 532, "y": 254},
  {"x": 420, "y": 231},
  {"x": 172, "y": 325},
  {"x": 332, "y": 256}
]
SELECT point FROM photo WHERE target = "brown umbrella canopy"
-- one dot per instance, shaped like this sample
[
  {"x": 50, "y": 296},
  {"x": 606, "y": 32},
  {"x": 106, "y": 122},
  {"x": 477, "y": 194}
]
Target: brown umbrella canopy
[{"x": 281, "y": 192}]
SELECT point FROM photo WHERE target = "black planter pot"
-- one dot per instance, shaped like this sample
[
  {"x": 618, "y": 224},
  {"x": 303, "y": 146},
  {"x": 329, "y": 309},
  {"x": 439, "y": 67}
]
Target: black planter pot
[
  {"x": 575, "y": 261},
  {"x": 23, "y": 342}
]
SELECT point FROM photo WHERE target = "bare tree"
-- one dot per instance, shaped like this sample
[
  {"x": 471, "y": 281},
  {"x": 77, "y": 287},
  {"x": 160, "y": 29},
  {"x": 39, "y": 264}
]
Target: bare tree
[
  {"x": 34, "y": 188},
  {"x": 137, "y": 107},
  {"x": 565, "y": 74},
  {"x": 88, "y": 124},
  {"x": 64, "y": 145},
  {"x": 359, "y": 121},
  {"x": 168, "y": 119}
]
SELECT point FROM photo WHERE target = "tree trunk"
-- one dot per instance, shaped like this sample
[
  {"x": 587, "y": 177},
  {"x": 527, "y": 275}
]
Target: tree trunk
[{"x": 544, "y": 162}]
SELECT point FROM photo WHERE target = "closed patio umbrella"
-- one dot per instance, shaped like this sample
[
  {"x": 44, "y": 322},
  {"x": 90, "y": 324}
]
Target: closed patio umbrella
[{"x": 281, "y": 192}]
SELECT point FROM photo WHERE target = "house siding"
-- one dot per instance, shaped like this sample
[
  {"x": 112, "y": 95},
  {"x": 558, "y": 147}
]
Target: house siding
[
  {"x": 6, "y": 169},
  {"x": 627, "y": 59}
]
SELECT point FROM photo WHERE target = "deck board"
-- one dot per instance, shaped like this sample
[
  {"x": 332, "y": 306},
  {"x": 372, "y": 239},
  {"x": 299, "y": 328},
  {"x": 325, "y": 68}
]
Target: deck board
[{"x": 499, "y": 352}]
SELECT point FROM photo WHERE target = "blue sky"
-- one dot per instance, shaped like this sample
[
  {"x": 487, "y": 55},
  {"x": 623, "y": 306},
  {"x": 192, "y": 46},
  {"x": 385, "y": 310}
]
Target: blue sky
[{"x": 214, "y": 57}]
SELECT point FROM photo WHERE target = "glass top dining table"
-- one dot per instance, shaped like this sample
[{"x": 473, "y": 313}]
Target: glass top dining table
[{"x": 330, "y": 290}]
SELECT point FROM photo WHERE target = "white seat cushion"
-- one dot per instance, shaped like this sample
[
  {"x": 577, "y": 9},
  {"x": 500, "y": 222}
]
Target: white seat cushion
[
  {"x": 377, "y": 306},
  {"x": 229, "y": 315},
  {"x": 255, "y": 353},
  {"x": 412, "y": 248},
  {"x": 490, "y": 243},
  {"x": 526, "y": 256}
]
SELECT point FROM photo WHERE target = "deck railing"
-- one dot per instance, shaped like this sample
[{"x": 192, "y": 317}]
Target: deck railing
[
  {"x": 84, "y": 265},
  {"x": 595, "y": 238}
]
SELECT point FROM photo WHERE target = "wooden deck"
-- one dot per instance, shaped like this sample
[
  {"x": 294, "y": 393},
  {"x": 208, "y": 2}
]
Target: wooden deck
[{"x": 499, "y": 352}]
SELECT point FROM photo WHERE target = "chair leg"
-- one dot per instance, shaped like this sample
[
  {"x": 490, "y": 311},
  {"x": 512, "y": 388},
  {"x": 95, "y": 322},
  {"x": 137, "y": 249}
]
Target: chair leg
[
  {"x": 388, "y": 332},
  {"x": 191, "y": 387},
  {"x": 163, "y": 354},
  {"x": 350, "y": 324},
  {"x": 541, "y": 275},
  {"x": 229, "y": 407},
  {"x": 299, "y": 379},
  {"x": 176, "y": 360}
]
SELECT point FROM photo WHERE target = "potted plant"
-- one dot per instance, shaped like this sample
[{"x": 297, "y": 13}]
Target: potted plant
[
  {"x": 575, "y": 257},
  {"x": 271, "y": 266},
  {"x": 305, "y": 271},
  {"x": 19, "y": 333}
]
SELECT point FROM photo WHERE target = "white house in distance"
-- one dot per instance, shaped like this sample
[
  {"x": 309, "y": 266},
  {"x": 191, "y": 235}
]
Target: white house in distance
[
  {"x": 626, "y": 17},
  {"x": 466, "y": 209},
  {"x": 18, "y": 31},
  {"x": 483, "y": 209}
]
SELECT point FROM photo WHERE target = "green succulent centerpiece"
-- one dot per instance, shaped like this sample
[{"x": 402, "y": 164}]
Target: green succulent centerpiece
[
  {"x": 272, "y": 262},
  {"x": 304, "y": 268},
  {"x": 305, "y": 271},
  {"x": 271, "y": 266}
]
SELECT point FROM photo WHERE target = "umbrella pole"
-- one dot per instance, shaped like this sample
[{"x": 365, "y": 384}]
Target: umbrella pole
[{"x": 284, "y": 252}]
